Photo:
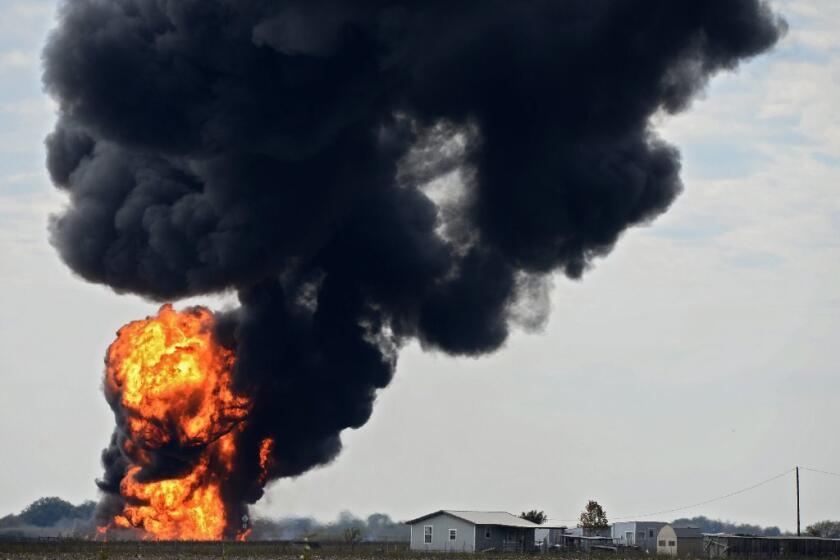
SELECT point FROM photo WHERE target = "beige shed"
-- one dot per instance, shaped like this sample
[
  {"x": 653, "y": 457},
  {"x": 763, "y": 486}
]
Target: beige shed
[{"x": 684, "y": 542}]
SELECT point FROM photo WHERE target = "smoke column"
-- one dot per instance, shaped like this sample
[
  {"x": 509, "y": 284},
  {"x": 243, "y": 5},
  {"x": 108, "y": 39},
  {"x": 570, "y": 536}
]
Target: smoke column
[{"x": 364, "y": 173}]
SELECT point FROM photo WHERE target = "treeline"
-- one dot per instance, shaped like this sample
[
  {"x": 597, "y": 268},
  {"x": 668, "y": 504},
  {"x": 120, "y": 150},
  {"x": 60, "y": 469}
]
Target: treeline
[
  {"x": 707, "y": 525},
  {"x": 52, "y": 517},
  {"x": 827, "y": 529},
  {"x": 348, "y": 527},
  {"x": 47, "y": 517}
]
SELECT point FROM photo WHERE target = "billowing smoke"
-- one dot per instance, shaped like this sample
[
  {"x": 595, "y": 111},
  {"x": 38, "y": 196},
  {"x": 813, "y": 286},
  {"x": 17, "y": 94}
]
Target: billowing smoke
[{"x": 364, "y": 173}]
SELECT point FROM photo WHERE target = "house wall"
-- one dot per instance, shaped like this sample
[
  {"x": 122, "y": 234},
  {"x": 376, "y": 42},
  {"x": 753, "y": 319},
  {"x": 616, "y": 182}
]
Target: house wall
[
  {"x": 644, "y": 534},
  {"x": 499, "y": 534},
  {"x": 441, "y": 523},
  {"x": 620, "y": 530}
]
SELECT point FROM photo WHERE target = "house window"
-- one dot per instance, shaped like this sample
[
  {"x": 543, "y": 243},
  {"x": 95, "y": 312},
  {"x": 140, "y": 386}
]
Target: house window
[
  {"x": 487, "y": 532},
  {"x": 672, "y": 543},
  {"x": 453, "y": 534},
  {"x": 661, "y": 543},
  {"x": 650, "y": 533},
  {"x": 427, "y": 534},
  {"x": 641, "y": 536}
]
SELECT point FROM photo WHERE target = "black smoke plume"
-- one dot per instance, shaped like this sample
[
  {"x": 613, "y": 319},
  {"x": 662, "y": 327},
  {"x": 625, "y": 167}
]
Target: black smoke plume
[{"x": 364, "y": 173}]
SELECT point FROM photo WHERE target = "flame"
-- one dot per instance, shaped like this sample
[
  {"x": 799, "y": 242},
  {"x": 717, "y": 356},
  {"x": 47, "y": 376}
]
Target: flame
[
  {"x": 244, "y": 535},
  {"x": 169, "y": 372},
  {"x": 172, "y": 382},
  {"x": 266, "y": 462}
]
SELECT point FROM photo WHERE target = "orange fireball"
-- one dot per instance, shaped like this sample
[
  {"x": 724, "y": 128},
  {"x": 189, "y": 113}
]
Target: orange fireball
[{"x": 172, "y": 381}]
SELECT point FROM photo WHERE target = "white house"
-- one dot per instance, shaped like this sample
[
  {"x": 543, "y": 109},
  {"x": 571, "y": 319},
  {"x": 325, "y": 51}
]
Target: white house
[
  {"x": 471, "y": 531},
  {"x": 637, "y": 533}
]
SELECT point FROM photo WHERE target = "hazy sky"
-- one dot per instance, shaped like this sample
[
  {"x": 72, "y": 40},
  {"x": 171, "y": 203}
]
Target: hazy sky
[{"x": 699, "y": 358}]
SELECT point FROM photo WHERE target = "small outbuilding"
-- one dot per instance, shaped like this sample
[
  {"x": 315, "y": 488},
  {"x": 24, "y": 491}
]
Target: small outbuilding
[
  {"x": 472, "y": 531},
  {"x": 684, "y": 542},
  {"x": 722, "y": 545},
  {"x": 582, "y": 543},
  {"x": 641, "y": 534}
]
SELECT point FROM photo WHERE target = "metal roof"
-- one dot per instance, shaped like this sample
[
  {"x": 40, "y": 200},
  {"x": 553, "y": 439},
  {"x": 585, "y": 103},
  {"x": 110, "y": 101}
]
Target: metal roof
[
  {"x": 687, "y": 532},
  {"x": 502, "y": 518},
  {"x": 769, "y": 538}
]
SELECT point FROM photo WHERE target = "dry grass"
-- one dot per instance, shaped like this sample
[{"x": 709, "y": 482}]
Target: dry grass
[{"x": 86, "y": 550}]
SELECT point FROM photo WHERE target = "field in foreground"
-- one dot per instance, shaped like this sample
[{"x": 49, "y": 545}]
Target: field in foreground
[
  {"x": 67, "y": 549},
  {"x": 276, "y": 550}
]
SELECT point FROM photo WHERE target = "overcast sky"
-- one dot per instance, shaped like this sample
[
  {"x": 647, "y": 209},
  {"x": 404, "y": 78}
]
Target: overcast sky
[{"x": 699, "y": 358}]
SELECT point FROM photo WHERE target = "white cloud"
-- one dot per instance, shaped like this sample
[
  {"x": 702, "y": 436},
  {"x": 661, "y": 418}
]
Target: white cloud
[{"x": 17, "y": 59}]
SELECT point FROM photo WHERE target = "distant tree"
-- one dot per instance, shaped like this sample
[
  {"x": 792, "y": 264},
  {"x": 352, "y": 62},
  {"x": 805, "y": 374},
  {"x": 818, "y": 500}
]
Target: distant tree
[
  {"x": 377, "y": 526},
  {"x": 352, "y": 535},
  {"x": 707, "y": 525},
  {"x": 593, "y": 516},
  {"x": 534, "y": 516},
  {"x": 46, "y": 512},
  {"x": 826, "y": 529},
  {"x": 85, "y": 510}
]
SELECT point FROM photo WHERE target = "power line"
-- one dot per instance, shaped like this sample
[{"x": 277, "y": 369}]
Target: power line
[
  {"x": 703, "y": 503},
  {"x": 821, "y": 472},
  {"x": 698, "y": 504}
]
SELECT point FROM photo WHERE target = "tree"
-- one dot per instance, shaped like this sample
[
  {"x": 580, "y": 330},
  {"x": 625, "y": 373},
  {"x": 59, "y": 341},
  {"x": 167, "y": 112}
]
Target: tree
[
  {"x": 46, "y": 512},
  {"x": 534, "y": 516},
  {"x": 352, "y": 535},
  {"x": 593, "y": 516},
  {"x": 826, "y": 529},
  {"x": 707, "y": 525}
]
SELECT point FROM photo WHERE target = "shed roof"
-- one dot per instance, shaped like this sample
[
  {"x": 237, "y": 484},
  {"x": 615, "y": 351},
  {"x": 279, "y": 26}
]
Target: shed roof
[
  {"x": 502, "y": 518},
  {"x": 688, "y": 532}
]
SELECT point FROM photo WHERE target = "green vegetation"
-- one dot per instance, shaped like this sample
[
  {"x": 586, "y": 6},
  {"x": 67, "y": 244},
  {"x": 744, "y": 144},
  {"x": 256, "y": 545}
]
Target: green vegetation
[
  {"x": 593, "y": 516},
  {"x": 826, "y": 529},
  {"x": 49, "y": 515},
  {"x": 707, "y": 525},
  {"x": 376, "y": 527},
  {"x": 352, "y": 535},
  {"x": 534, "y": 516}
]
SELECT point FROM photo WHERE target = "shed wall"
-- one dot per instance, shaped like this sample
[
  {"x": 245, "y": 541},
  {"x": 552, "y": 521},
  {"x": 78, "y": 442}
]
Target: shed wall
[
  {"x": 668, "y": 536},
  {"x": 684, "y": 547}
]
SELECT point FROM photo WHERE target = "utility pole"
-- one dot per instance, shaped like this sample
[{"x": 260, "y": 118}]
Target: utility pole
[{"x": 798, "y": 533}]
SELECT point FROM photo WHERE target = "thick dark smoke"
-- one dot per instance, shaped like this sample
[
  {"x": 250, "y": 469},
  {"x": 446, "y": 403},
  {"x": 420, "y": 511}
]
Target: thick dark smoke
[{"x": 364, "y": 173}]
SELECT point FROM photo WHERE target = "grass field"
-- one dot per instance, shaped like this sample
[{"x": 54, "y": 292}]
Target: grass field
[
  {"x": 278, "y": 550},
  {"x": 66, "y": 549}
]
